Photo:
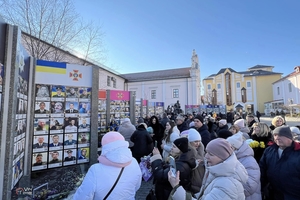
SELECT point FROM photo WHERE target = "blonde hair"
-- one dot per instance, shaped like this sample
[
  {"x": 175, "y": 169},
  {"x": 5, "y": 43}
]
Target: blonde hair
[
  {"x": 264, "y": 129},
  {"x": 275, "y": 119},
  {"x": 236, "y": 127}
]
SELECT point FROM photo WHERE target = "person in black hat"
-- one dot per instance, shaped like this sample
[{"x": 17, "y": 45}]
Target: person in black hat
[
  {"x": 185, "y": 162},
  {"x": 280, "y": 166},
  {"x": 70, "y": 157},
  {"x": 202, "y": 129}
]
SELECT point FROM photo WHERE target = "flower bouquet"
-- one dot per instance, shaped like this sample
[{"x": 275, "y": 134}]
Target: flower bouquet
[{"x": 255, "y": 144}]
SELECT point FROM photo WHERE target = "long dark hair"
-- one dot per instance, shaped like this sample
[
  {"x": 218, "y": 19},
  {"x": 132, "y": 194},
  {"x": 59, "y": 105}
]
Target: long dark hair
[{"x": 172, "y": 124}]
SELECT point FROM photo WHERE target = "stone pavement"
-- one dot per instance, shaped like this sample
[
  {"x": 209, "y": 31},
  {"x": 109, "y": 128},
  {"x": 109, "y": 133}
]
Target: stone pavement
[{"x": 144, "y": 190}]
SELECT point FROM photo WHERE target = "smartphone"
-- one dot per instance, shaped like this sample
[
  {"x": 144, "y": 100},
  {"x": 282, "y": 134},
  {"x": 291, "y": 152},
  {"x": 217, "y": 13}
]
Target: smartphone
[
  {"x": 173, "y": 166},
  {"x": 155, "y": 144}
]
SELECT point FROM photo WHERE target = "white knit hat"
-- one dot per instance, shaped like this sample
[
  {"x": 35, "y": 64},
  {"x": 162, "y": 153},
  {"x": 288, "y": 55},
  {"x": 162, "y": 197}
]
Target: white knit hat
[
  {"x": 240, "y": 123},
  {"x": 223, "y": 121},
  {"x": 236, "y": 140},
  {"x": 193, "y": 135},
  {"x": 295, "y": 130}
]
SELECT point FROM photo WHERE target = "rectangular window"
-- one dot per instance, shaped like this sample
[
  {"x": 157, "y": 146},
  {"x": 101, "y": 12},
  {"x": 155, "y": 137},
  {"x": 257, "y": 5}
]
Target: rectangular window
[
  {"x": 278, "y": 91},
  {"x": 133, "y": 93},
  {"x": 115, "y": 83},
  {"x": 108, "y": 80},
  {"x": 248, "y": 84},
  {"x": 238, "y": 85},
  {"x": 153, "y": 94},
  {"x": 209, "y": 87},
  {"x": 219, "y": 86},
  {"x": 175, "y": 93},
  {"x": 290, "y": 87}
]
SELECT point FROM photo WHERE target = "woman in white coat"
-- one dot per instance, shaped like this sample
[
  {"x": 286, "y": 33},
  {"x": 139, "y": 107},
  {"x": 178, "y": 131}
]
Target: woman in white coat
[
  {"x": 245, "y": 155},
  {"x": 101, "y": 177},
  {"x": 223, "y": 177}
]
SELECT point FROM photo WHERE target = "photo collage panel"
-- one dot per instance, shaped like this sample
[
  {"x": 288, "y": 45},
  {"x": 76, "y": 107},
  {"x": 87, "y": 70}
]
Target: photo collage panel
[{"x": 61, "y": 126}]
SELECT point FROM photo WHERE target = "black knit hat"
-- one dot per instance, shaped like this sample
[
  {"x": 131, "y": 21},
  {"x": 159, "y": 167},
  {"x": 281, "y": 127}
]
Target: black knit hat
[
  {"x": 224, "y": 134},
  {"x": 200, "y": 118},
  {"x": 182, "y": 144}
]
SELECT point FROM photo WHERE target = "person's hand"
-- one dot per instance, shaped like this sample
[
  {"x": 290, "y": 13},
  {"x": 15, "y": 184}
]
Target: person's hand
[
  {"x": 173, "y": 180},
  {"x": 155, "y": 151}
]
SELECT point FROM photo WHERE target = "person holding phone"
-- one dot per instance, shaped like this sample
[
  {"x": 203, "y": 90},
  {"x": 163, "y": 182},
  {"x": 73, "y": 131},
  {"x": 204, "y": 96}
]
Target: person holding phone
[
  {"x": 223, "y": 177},
  {"x": 184, "y": 162}
]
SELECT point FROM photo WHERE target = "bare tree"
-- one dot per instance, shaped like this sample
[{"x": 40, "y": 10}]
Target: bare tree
[{"x": 55, "y": 22}]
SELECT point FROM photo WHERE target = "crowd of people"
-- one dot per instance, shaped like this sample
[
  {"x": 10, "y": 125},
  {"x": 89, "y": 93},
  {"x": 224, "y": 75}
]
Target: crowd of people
[{"x": 215, "y": 158}]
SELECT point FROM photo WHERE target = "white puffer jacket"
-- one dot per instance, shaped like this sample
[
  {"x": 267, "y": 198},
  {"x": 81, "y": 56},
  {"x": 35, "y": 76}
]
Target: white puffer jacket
[{"x": 223, "y": 182}]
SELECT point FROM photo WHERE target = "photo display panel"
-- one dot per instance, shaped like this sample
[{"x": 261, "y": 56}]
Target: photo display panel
[{"x": 61, "y": 115}]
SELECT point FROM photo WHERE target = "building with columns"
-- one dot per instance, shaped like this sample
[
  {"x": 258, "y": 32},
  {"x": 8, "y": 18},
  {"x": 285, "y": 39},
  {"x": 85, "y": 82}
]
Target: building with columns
[
  {"x": 241, "y": 91},
  {"x": 167, "y": 86}
]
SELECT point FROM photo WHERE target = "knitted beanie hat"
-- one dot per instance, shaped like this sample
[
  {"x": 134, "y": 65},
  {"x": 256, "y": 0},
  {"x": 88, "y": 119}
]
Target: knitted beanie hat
[
  {"x": 220, "y": 148},
  {"x": 200, "y": 118},
  {"x": 283, "y": 131},
  {"x": 182, "y": 144},
  {"x": 223, "y": 122},
  {"x": 115, "y": 151},
  {"x": 240, "y": 123},
  {"x": 224, "y": 134},
  {"x": 236, "y": 140},
  {"x": 193, "y": 135}
]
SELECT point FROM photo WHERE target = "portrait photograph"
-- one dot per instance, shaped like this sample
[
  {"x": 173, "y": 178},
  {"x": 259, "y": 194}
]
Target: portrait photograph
[
  {"x": 70, "y": 156},
  {"x": 71, "y": 124},
  {"x": 84, "y": 107},
  {"x": 72, "y": 92},
  {"x": 85, "y": 93},
  {"x": 42, "y": 92},
  {"x": 83, "y": 139},
  {"x": 83, "y": 154},
  {"x": 84, "y": 124},
  {"x": 58, "y": 91},
  {"x": 40, "y": 143},
  {"x": 42, "y": 107},
  {"x": 55, "y": 158},
  {"x": 70, "y": 140},
  {"x": 41, "y": 126},
  {"x": 57, "y": 107},
  {"x": 56, "y": 125},
  {"x": 39, "y": 161},
  {"x": 56, "y": 141},
  {"x": 71, "y": 107}
]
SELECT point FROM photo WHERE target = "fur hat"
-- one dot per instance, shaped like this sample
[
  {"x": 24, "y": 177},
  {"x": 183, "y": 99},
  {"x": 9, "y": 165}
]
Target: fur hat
[
  {"x": 283, "y": 131},
  {"x": 115, "y": 151},
  {"x": 223, "y": 122},
  {"x": 219, "y": 147},
  {"x": 182, "y": 144},
  {"x": 236, "y": 140},
  {"x": 240, "y": 123},
  {"x": 200, "y": 118},
  {"x": 224, "y": 134},
  {"x": 295, "y": 130},
  {"x": 193, "y": 135}
]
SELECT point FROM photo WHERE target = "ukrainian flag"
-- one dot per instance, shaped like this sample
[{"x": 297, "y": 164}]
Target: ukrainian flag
[{"x": 51, "y": 67}]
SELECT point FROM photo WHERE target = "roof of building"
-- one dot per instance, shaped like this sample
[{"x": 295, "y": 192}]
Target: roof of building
[
  {"x": 158, "y": 75},
  {"x": 258, "y": 72},
  {"x": 294, "y": 73},
  {"x": 260, "y": 66}
]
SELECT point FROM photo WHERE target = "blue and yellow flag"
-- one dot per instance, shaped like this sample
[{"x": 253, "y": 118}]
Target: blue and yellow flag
[{"x": 51, "y": 67}]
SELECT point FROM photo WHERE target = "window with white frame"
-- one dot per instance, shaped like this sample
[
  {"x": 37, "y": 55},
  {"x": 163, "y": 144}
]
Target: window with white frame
[
  {"x": 175, "y": 93},
  {"x": 290, "y": 87},
  {"x": 219, "y": 86},
  {"x": 153, "y": 94},
  {"x": 238, "y": 85},
  {"x": 114, "y": 80},
  {"x": 248, "y": 84},
  {"x": 278, "y": 91},
  {"x": 108, "y": 80},
  {"x": 209, "y": 87}
]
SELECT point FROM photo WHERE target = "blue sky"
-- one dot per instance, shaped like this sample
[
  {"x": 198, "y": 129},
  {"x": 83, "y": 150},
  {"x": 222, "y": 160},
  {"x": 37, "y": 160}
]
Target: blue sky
[{"x": 148, "y": 35}]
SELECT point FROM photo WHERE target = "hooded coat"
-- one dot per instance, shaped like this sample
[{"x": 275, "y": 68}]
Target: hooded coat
[
  {"x": 252, "y": 187},
  {"x": 222, "y": 181},
  {"x": 126, "y": 129},
  {"x": 101, "y": 176}
]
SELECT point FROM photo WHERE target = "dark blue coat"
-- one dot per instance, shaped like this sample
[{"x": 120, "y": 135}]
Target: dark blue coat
[{"x": 283, "y": 174}]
